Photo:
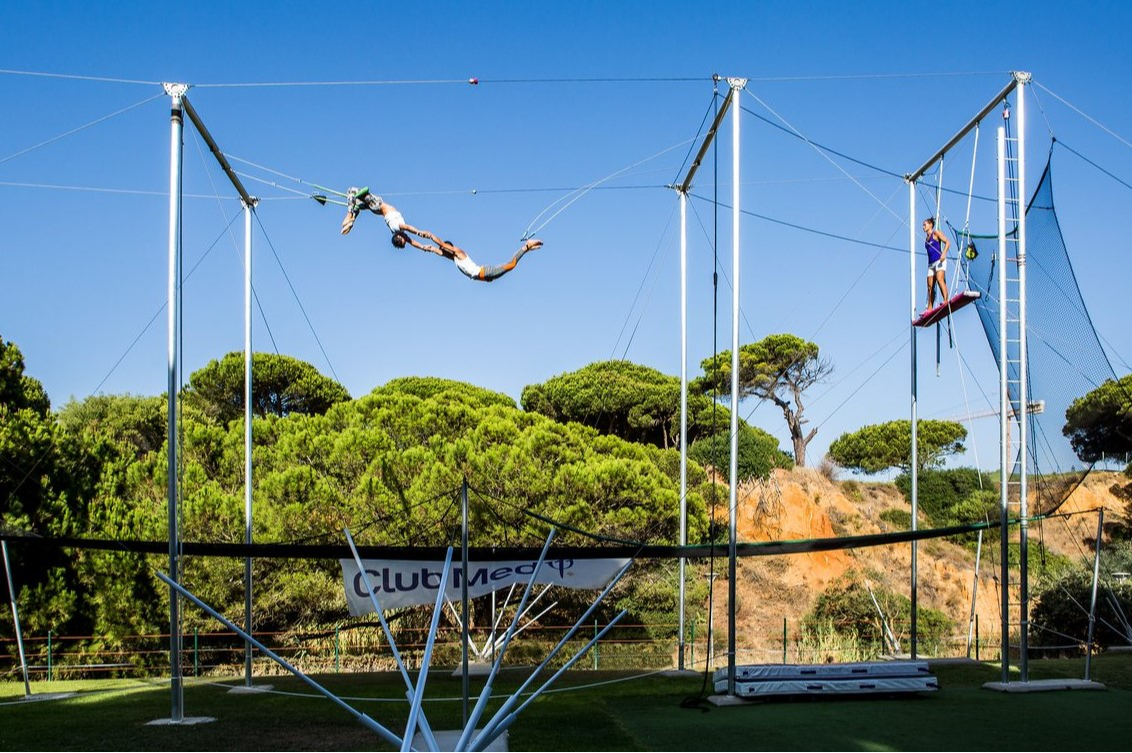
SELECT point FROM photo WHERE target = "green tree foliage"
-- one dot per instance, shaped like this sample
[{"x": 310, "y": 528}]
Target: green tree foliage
[
  {"x": 778, "y": 368},
  {"x": 758, "y": 453},
  {"x": 426, "y": 387},
  {"x": 46, "y": 474},
  {"x": 1061, "y": 609},
  {"x": 901, "y": 519},
  {"x": 388, "y": 466},
  {"x": 878, "y": 447},
  {"x": 624, "y": 399},
  {"x": 281, "y": 385},
  {"x": 17, "y": 390},
  {"x": 953, "y": 496},
  {"x": 1100, "y": 422},
  {"x": 847, "y": 607},
  {"x": 137, "y": 423}
]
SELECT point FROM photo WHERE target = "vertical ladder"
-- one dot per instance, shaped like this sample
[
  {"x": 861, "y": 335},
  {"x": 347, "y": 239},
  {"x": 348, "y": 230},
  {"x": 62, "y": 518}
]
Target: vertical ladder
[{"x": 1013, "y": 364}]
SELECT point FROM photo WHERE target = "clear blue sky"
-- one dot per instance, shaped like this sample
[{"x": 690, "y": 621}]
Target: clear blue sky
[{"x": 570, "y": 93}]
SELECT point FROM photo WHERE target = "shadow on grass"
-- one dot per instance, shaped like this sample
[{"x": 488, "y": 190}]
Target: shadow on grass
[{"x": 637, "y": 714}]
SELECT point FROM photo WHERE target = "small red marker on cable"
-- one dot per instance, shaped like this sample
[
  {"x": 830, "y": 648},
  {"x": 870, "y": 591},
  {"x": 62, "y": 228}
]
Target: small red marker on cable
[{"x": 473, "y": 81}]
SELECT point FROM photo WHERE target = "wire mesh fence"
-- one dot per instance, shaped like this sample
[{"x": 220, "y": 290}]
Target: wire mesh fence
[{"x": 345, "y": 649}]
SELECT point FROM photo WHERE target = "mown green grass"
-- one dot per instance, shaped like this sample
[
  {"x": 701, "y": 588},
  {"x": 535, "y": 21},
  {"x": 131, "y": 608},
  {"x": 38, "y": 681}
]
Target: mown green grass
[{"x": 630, "y": 714}]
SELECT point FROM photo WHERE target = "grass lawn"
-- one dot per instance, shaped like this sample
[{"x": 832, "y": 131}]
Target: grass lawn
[{"x": 620, "y": 714}]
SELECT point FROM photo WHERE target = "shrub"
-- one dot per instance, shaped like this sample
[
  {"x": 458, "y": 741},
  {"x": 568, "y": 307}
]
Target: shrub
[
  {"x": 758, "y": 453},
  {"x": 847, "y": 607},
  {"x": 828, "y": 469},
  {"x": 899, "y": 519},
  {"x": 944, "y": 493},
  {"x": 1062, "y": 609}
]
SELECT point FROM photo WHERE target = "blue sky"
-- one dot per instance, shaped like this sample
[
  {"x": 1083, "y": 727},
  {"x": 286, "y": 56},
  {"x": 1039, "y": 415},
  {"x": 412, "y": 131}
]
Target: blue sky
[{"x": 569, "y": 94}]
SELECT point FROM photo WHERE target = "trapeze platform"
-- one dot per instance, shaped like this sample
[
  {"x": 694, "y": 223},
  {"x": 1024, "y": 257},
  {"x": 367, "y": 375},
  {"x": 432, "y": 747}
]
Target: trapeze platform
[
  {"x": 858, "y": 678},
  {"x": 943, "y": 310}
]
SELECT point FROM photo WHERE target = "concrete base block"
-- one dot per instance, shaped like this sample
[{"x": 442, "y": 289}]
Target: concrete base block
[
  {"x": 187, "y": 721},
  {"x": 245, "y": 690},
  {"x": 1042, "y": 686},
  {"x": 447, "y": 739}
]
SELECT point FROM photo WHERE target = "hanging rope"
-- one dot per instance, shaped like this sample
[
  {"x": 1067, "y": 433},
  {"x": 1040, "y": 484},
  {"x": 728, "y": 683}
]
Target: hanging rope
[
  {"x": 1084, "y": 115},
  {"x": 300, "y": 181},
  {"x": 939, "y": 195},
  {"x": 73, "y": 131},
  {"x": 823, "y": 154},
  {"x": 569, "y": 199},
  {"x": 965, "y": 238},
  {"x": 295, "y": 293},
  {"x": 640, "y": 288}
]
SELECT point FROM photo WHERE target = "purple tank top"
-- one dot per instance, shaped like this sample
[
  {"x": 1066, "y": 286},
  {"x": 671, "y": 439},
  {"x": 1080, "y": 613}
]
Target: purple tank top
[{"x": 934, "y": 248}]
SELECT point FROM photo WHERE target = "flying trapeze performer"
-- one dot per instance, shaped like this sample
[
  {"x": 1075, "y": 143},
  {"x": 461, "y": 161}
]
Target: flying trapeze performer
[
  {"x": 937, "y": 245},
  {"x": 358, "y": 199}
]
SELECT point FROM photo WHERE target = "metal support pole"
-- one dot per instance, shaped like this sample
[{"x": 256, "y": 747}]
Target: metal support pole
[
  {"x": 973, "y": 123},
  {"x": 505, "y": 709},
  {"x": 176, "y": 92},
  {"x": 485, "y": 695},
  {"x": 1023, "y": 389},
  {"x": 733, "y": 502},
  {"x": 784, "y": 640},
  {"x": 1093, "y": 598},
  {"x": 464, "y": 637},
  {"x": 16, "y": 622},
  {"x": 410, "y": 689},
  {"x": 216, "y": 152},
  {"x": 385, "y": 734},
  {"x": 974, "y": 593},
  {"x": 692, "y": 658},
  {"x": 1003, "y": 416},
  {"x": 711, "y": 134},
  {"x": 182, "y": 107},
  {"x": 683, "y": 417},
  {"x": 248, "y": 625},
  {"x": 416, "y": 714},
  {"x": 488, "y": 736},
  {"x": 736, "y": 84},
  {"x": 709, "y": 654},
  {"x": 914, "y": 408}
]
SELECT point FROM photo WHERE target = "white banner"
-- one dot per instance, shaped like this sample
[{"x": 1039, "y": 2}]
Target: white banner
[{"x": 402, "y": 583}]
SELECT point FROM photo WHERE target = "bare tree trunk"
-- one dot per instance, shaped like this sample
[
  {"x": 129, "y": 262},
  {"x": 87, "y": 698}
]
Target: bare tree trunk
[
  {"x": 794, "y": 422},
  {"x": 799, "y": 449}
]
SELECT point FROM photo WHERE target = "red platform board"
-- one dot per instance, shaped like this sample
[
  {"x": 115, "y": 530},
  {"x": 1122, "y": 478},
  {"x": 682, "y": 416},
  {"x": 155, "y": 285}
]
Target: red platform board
[{"x": 958, "y": 301}]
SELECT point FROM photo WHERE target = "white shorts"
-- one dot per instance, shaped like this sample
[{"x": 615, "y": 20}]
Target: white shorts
[
  {"x": 939, "y": 266},
  {"x": 395, "y": 220}
]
